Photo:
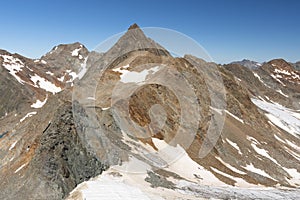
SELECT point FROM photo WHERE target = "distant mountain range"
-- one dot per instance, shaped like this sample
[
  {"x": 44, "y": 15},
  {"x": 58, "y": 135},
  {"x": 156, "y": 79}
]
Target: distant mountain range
[
  {"x": 296, "y": 65},
  {"x": 253, "y": 64},
  {"x": 248, "y": 63},
  {"x": 74, "y": 126}
]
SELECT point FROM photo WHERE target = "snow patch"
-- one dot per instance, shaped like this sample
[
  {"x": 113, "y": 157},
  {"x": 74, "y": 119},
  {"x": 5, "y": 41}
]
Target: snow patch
[
  {"x": 295, "y": 180},
  {"x": 50, "y": 73},
  {"x": 264, "y": 153},
  {"x": 230, "y": 166},
  {"x": 238, "y": 181},
  {"x": 279, "y": 81},
  {"x": 40, "y": 82},
  {"x": 20, "y": 168},
  {"x": 91, "y": 98},
  {"x": 267, "y": 98},
  {"x": 279, "y": 139},
  {"x": 39, "y": 104},
  {"x": 28, "y": 115},
  {"x": 257, "y": 76},
  {"x": 61, "y": 79},
  {"x": 234, "y": 145},
  {"x": 13, "y": 145},
  {"x": 257, "y": 171},
  {"x": 73, "y": 76},
  {"x": 75, "y": 52},
  {"x": 293, "y": 145},
  {"x": 132, "y": 76},
  {"x": 293, "y": 154},
  {"x": 235, "y": 117},
  {"x": 29, "y": 69},
  {"x": 252, "y": 139},
  {"x": 13, "y": 65},
  {"x": 219, "y": 111},
  {"x": 280, "y": 71},
  {"x": 281, "y": 116},
  {"x": 280, "y": 92}
]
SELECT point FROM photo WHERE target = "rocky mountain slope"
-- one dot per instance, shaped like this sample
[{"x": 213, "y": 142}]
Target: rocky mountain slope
[{"x": 137, "y": 123}]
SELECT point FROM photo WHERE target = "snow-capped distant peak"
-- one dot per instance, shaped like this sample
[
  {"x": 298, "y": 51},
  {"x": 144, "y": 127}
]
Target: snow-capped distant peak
[{"x": 248, "y": 63}]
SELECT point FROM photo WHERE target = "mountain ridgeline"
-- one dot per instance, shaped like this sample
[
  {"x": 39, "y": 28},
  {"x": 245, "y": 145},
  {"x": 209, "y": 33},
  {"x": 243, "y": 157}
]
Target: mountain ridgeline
[{"x": 62, "y": 131}]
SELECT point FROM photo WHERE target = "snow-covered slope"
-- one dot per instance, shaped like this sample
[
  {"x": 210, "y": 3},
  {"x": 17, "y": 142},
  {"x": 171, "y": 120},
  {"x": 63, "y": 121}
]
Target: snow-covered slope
[
  {"x": 285, "y": 118},
  {"x": 195, "y": 183}
]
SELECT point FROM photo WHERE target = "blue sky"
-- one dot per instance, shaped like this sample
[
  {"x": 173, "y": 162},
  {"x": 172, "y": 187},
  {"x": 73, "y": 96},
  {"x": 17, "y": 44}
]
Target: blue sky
[{"x": 228, "y": 29}]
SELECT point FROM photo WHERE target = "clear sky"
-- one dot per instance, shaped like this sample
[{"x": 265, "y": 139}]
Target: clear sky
[{"x": 228, "y": 29}]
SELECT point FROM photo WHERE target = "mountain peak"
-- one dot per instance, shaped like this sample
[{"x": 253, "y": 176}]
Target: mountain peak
[
  {"x": 135, "y": 39},
  {"x": 280, "y": 63},
  {"x": 247, "y": 63},
  {"x": 134, "y": 26}
]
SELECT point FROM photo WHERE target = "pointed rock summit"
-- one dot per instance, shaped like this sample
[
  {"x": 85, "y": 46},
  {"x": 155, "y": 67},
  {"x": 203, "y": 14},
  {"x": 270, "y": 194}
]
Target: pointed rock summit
[
  {"x": 134, "y": 26},
  {"x": 134, "y": 40}
]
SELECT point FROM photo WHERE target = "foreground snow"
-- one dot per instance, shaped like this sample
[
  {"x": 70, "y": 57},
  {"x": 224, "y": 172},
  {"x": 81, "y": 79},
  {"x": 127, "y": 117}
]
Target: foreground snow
[
  {"x": 114, "y": 185},
  {"x": 111, "y": 188},
  {"x": 118, "y": 182}
]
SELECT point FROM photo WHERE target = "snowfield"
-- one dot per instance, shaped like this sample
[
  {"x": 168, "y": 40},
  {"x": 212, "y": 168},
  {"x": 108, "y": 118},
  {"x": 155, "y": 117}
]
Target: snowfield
[
  {"x": 41, "y": 82},
  {"x": 132, "y": 76},
  {"x": 118, "y": 185},
  {"x": 119, "y": 182},
  {"x": 285, "y": 118},
  {"x": 13, "y": 65},
  {"x": 107, "y": 187}
]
